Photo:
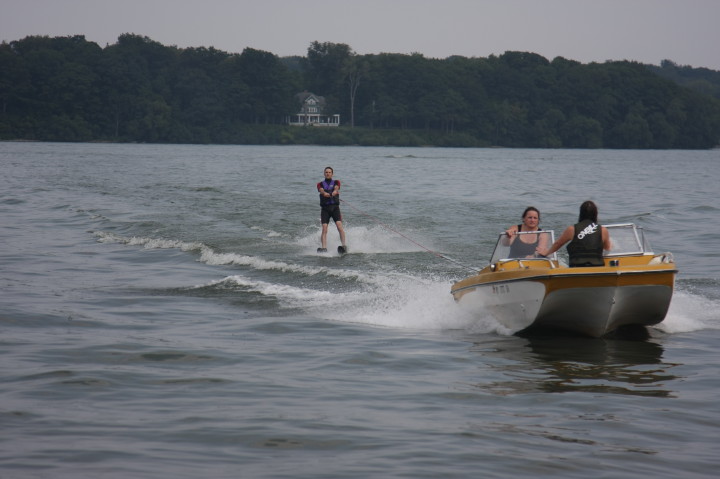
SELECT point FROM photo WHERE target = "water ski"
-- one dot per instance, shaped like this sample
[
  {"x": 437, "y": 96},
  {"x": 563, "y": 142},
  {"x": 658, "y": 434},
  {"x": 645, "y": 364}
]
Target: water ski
[{"x": 342, "y": 249}]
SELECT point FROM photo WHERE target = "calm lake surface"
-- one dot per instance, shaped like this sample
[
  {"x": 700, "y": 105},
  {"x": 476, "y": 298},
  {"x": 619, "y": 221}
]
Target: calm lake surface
[{"x": 164, "y": 314}]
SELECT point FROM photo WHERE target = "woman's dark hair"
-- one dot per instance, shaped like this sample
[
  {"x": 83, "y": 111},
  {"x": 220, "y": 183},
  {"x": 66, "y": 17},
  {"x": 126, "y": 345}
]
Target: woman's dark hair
[
  {"x": 531, "y": 208},
  {"x": 588, "y": 211},
  {"x": 329, "y": 168}
]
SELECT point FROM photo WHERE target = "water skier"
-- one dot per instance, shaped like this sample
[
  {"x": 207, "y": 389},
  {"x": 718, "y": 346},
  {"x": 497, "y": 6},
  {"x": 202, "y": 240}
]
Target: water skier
[{"x": 329, "y": 190}]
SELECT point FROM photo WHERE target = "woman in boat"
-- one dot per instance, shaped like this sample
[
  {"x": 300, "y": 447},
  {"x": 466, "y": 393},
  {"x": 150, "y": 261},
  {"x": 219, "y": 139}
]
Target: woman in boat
[
  {"x": 525, "y": 246},
  {"x": 587, "y": 239}
]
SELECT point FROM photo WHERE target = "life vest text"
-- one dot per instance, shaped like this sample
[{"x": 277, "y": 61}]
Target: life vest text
[{"x": 590, "y": 229}]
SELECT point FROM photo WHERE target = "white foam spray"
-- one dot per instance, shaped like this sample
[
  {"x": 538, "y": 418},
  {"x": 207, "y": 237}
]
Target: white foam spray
[
  {"x": 386, "y": 298},
  {"x": 361, "y": 239},
  {"x": 690, "y": 312}
]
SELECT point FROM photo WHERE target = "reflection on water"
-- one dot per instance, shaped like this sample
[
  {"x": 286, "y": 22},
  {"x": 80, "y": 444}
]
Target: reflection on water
[{"x": 577, "y": 364}]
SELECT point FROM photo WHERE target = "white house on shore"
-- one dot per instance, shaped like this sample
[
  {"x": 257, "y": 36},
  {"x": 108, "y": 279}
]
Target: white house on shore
[{"x": 311, "y": 112}]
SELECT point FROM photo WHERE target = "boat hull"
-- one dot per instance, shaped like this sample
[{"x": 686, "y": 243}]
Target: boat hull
[
  {"x": 589, "y": 301},
  {"x": 608, "y": 309}
]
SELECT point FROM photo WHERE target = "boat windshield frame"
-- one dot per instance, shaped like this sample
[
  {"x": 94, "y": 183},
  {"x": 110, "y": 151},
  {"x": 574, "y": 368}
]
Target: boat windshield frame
[
  {"x": 503, "y": 245},
  {"x": 627, "y": 239}
]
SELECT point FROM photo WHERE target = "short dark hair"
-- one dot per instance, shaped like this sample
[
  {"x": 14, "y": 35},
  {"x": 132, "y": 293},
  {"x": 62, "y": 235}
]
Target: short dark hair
[
  {"x": 588, "y": 211},
  {"x": 531, "y": 208},
  {"x": 329, "y": 168}
]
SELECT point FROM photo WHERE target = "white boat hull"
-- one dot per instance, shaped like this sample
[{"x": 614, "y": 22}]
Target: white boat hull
[
  {"x": 589, "y": 301},
  {"x": 597, "y": 311},
  {"x": 633, "y": 287}
]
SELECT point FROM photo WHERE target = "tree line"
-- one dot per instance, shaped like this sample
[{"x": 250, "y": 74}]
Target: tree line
[
  {"x": 138, "y": 90},
  {"x": 702, "y": 80}
]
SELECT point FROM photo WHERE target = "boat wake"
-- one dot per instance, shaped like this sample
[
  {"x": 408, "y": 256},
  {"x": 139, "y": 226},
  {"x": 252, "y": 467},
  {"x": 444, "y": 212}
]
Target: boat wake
[
  {"x": 690, "y": 311},
  {"x": 373, "y": 297},
  {"x": 362, "y": 239},
  {"x": 333, "y": 292}
]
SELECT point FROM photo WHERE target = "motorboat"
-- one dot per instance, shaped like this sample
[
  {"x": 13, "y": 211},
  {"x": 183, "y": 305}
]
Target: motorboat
[{"x": 634, "y": 287}]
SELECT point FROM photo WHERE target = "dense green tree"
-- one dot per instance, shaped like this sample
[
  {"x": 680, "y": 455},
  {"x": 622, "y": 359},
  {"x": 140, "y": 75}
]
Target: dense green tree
[
  {"x": 270, "y": 86},
  {"x": 702, "y": 80},
  {"x": 325, "y": 67},
  {"x": 69, "y": 89},
  {"x": 582, "y": 132},
  {"x": 135, "y": 72}
]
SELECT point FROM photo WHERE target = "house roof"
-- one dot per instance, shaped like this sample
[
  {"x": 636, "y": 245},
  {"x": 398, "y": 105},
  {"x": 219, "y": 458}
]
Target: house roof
[{"x": 304, "y": 96}]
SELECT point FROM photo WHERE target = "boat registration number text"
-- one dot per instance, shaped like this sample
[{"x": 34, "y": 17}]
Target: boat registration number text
[{"x": 500, "y": 289}]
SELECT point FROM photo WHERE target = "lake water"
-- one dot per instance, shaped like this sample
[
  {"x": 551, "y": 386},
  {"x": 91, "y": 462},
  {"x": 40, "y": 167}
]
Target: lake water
[{"x": 165, "y": 314}]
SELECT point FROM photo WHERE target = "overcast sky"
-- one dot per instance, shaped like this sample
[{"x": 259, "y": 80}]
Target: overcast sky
[{"x": 649, "y": 31}]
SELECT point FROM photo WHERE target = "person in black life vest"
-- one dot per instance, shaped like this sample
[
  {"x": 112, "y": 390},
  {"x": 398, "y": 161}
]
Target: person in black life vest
[
  {"x": 587, "y": 239},
  {"x": 329, "y": 190},
  {"x": 525, "y": 246}
]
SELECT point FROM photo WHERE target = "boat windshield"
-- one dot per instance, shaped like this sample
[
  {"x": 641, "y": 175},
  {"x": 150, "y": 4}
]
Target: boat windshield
[
  {"x": 523, "y": 245},
  {"x": 627, "y": 239}
]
